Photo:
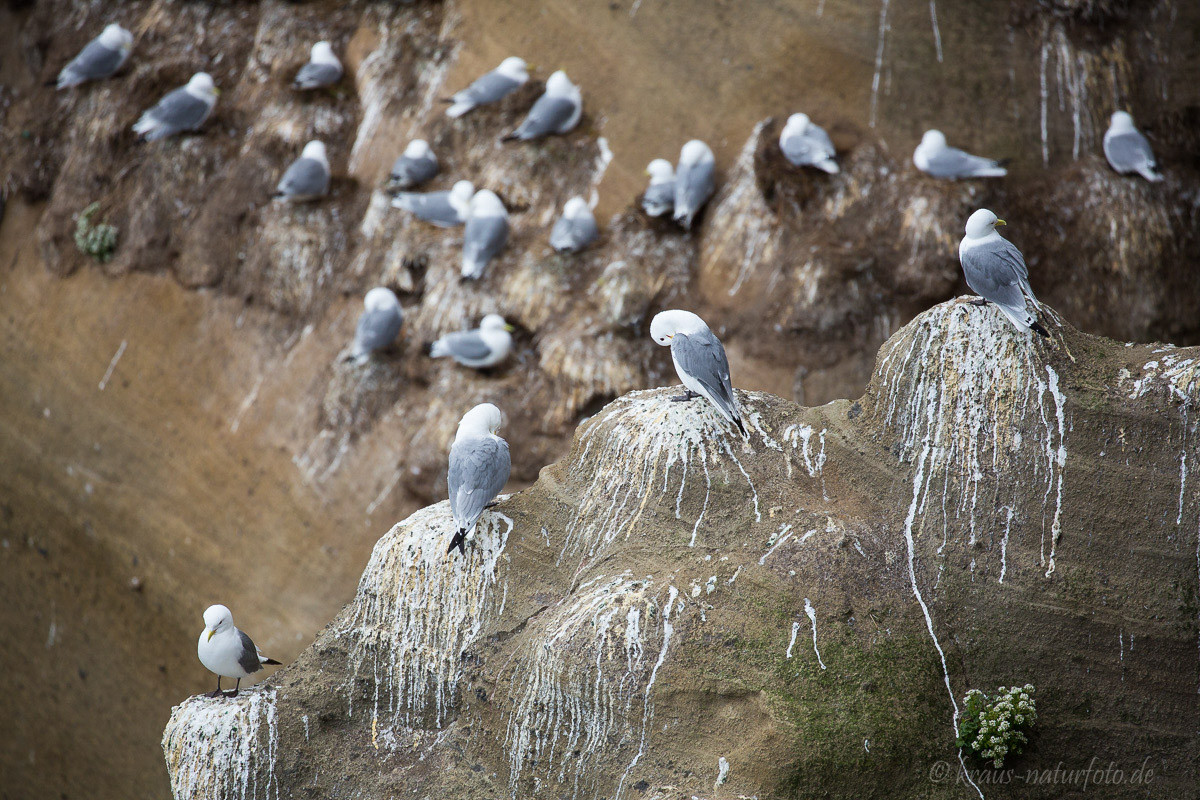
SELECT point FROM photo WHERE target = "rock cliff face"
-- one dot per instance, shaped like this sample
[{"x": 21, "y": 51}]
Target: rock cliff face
[{"x": 806, "y": 607}]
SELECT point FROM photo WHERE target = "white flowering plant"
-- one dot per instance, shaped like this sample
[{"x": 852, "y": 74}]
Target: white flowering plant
[
  {"x": 996, "y": 727},
  {"x": 99, "y": 240}
]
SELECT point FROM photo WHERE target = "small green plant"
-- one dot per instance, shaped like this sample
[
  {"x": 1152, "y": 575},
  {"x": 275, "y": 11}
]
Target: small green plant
[
  {"x": 99, "y": 240},
  {"x": 994, "y": 727}
]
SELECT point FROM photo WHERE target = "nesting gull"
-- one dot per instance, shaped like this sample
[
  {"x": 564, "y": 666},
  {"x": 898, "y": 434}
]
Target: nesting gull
[
  {"x": 379, "y": 324},
  {"x": 485, "y": 234},
  {"x": 996, "y": 271},
  {"x": 415, "y": 166},
  {"x": 807, "y": 145},
  {"x": 99, "y": 59},
  {"x": 479, "y": 467},
  {"x": 575, "y": 229},
  {"x": 699, "y": 360},
  {"x": 935, "y": 158},
  {"x": 183, "y": 109},
  {"x": 308, "y": 176},
  {"x": 557, "y": 111},
  {"x": 226, "y": 651},
  {"x": 444, "y": 209},
  {"x": 483, "y": 347},
  {"x": 1127, "y": 149},
  {"x": 659, "y": 197},
  {"x": 323, "y": 69},
  {"x": 490, "y": 87},
  {"x": 693, "y": 181}
]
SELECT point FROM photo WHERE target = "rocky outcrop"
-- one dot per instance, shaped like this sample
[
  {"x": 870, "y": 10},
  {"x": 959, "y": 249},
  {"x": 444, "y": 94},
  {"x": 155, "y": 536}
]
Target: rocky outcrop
[{"x": 673, "y": 611}]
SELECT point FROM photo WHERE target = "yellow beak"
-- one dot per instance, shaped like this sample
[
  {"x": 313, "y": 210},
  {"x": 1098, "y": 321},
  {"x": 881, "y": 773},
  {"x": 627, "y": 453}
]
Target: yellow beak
[
  {"x": 509, "y": 328},
  {"x": 1001, "y": 222},
  {"x": 210, "y": 635}
]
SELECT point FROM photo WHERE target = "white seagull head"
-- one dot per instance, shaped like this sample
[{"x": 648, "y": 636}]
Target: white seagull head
[
  {"x": 322, "y": 53},
  {"x": 380, "y": 298},
  {"x": 666, "y": 324},
  {"x": 694, "y": 152},
  {"x": 796, "y": 124},
  {"x": 114, "y": 37},
  {"x": 316, "y": 151},
  {"x": 514, "y": 68},
  {"x": 483, "y": 418},
  {"x": 217, "y": 619},
  {"x": 201, "y": 86},
  {"x": 933, "y": 140},
  {"x": 1121, "y": 121},
  {"x": 418, "y": 148},
  {"x": 982, "y": 223},
  {"x": 660, "y": 171}
]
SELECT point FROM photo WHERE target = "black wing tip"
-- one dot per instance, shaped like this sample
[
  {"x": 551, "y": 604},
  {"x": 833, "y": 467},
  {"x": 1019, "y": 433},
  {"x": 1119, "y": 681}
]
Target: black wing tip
[
  {"x": 1036, "y": 327},
  {"x": 460, "y": 541},
  {"x": 1002, "y": 162},
  {"x": 509, "y": 137},
  {"x": 445, "y": 99},
  {"x": 272, "y": 662},
  {"x": 741, "y": 427}
]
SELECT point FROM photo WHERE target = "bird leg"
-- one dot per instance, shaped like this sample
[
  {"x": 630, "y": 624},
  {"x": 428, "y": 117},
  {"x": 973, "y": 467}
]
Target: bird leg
[
  {"x": 218, "y": 692},
  {"x": 978, "y": 301},
  {"x": 687, "y": 395},
  {"x": 234, "y": 693}
]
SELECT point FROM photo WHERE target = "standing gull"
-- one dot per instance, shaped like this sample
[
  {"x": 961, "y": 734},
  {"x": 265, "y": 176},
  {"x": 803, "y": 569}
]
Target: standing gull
[
  {"x": 379, "y": 324},
  {"x": 1127, "y": 149},
  {"x": 935, "y": 158},
  {"x": 557, "y": 111},
  {"x": 415, "y": 166},
  {"x": 807, "y": 145},
  {"x": 226, "y": 651},
  {"x": 483, "y": 347},
  {"x": 485, "y": 234},
  {"x": 323, "y": 69},
  {"x": 659, "y": 197},
  {"x": 490, "y": 87},
  {"x": 183, "y": 109},
  {"x": 479, "y": 467},
  {"x": 699, "y": 360},
  {"x": 693, "y": 181},
  {"x": 308, "y": 176},
  {"x": 99, "y": 59},
  {"x": 575, "y": 229},
  {"x": 444, "y": 209},
  {"x": 995, "y": 270}
]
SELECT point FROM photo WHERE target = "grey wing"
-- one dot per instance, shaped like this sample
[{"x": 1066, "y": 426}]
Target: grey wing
[
  {"x": 486, "y": 89},
  {"x": 1128, "y": 151},
  {"x": 547, "y": 116},
  {"x": 314, "y": 76},
  {"x": 377, "y": 329},
  {"x": 659, "y": 198},
  {"x": 998, "y": 273},
  {"x": 485, "y": 237},
  {"x": 432, "y": 207},
  {"x": 702, "y": 356},
  {"x": 954, "y": 163},
  {"x": 413, "y": 171},
  {"x": 465, "y": 344},
  {"x": 693, "y": 186},
  {"x": 572, "y": 235},
  {"x": 306, "y": 177},
  {"x": 249, "y": 659},
  {"x": 178, "y": 111},
  {"x": 822, "y": 140},
  {"x": 800, "y": 150},
  {"x": 478, "y": 470},
  {"x": 95, "y": 61}
]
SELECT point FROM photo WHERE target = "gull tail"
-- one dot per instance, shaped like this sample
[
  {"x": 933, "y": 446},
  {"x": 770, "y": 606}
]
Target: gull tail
[
  {"x": 829, "y": 165},
  {"x": 1036, "y": 327},
  {"x": 458, "y": 108},
  {"x": 990, "y": 172},
  {"x": 270, "y": 661},
  {"x": 1147, "y": 172},
  {"x": 459, "y": 541}
]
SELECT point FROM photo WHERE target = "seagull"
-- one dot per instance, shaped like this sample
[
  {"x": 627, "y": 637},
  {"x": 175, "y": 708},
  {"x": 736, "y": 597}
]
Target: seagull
[
  {"x": 933, "y": 157},
  {"x": 323, "y": 69},
  {"x": 659, "y": 197},
  {"x": 479, "y": 467},
  {"x": 99, "y": 59},
  {"x": 575, "y": 229},
  {"x": 995, "y": 270},
  {"x": 417, "y": 165},
  {"x": 693, "y": 181},
  {"x": 699, "y": 360},
  {"x": 490, "y": 87},
  {"x": 444, "y": 209},
  {"x": 183, "y": 109},
  {"x": 1127, "y": 149},
  {"x": 308, "y": 176},
  {"x": 379, "y": 324},
  {"x": 557, "y": 111},
  {"x": 226, "y": 651},
  {"x": 807, "y": 145},
  {"x": 487, "y": 345},
  {"x": 485, "y": 234}
]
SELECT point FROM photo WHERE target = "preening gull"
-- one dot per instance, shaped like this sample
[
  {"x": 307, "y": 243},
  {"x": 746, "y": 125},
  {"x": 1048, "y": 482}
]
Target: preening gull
[
  {"x": 935, "y": 158},
  {"x": 807, "y": 145},
  {"x": 415, "y": 166},
  {"x": 308, "y": 176},
  {"x": 487, "y": 345},
  {"x": 182, "y": 109},
  {"x": 485, "y": 234},
  {"x": 323, "y": 68},
  {"x": 659, "y": 197},
  {"x": 699, "y": 360},
  {"x": 99, "y": 59},
  {"x": 557, "y": 111},
  {"x": 444, "y": 209},
  {"x": 479, "y": 467},
  {"x": 996, "y": 271},
  {"x": 1127, "y": 149},
  {"x": 379, "y": 324},
  {"x": 226, "y": 651},
  {"x": 693, "y": 181},
  {"x": 490, "y": 87},
  {"x": 575, "y": 229}
]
